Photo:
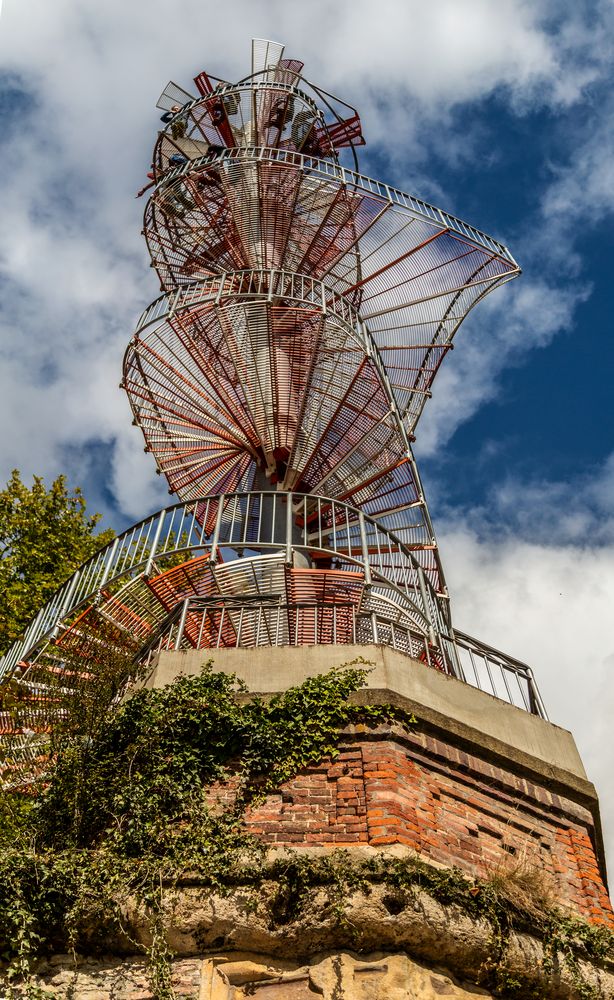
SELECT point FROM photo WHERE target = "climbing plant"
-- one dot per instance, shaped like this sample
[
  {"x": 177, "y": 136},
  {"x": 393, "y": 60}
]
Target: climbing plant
[
  {"x": 124, "y": 800},
  {"x": 69, "y": 862}
]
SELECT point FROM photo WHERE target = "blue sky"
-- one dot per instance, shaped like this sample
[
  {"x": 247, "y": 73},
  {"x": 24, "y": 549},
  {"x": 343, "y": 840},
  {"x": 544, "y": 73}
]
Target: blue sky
[{"x": 498, "y": 112}]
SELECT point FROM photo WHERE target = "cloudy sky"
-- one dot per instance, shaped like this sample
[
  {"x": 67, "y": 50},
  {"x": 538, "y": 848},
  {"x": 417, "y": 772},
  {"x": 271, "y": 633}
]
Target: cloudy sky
[{"x": 498, "y": 112}]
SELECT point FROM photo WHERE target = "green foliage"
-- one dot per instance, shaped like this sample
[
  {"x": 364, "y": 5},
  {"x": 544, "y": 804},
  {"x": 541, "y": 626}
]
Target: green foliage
[
  {"x": 147, "y": 769},
  {"x": 125, "y": 803},
  {"x": 141, "y": 795},
  {"x": 44, "y": 536},
  {"x": 565, "y": 936}
]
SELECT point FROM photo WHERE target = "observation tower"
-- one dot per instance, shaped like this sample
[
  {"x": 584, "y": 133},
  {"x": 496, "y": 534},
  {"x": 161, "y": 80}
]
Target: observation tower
[{"x": 278, "y": 382}]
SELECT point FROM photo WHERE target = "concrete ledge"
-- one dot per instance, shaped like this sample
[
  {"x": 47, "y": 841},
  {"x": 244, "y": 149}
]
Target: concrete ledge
[
  {"x": 445, "y": 701},
  {"x": 473, "y": 720}
]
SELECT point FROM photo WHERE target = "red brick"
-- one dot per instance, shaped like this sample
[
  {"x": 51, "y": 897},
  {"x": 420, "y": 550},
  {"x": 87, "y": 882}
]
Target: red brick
[{"x": 455, "y": 807}]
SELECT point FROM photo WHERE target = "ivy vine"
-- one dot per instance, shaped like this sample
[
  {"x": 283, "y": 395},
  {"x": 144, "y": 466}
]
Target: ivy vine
[{"x": 124, "y": 810}]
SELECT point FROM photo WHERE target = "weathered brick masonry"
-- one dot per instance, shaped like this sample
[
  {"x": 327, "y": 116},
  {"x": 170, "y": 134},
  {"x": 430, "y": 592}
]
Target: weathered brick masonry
[{"x": 393, "y": 786}]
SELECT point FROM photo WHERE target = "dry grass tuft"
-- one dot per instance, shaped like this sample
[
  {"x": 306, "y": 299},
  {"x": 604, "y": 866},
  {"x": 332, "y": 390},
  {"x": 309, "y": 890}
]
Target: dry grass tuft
[{"x": 521, "y": 882}]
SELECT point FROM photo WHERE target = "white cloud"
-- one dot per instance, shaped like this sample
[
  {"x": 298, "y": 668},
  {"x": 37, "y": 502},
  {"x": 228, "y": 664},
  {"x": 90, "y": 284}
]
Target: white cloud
[
  {"x": 532, "y": 573},
  {"x": 548, "y": 605}
]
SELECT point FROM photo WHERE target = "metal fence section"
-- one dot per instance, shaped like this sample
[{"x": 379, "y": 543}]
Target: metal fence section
[
  {"x": 498, "y": 674},
  {"x": 235, "y": 526},
  {"x": 269, "y": 283},
  {"x": 397, "y": 606},
  {"x": 334, "y": 171},
  {"x": 199, "y": 623}
]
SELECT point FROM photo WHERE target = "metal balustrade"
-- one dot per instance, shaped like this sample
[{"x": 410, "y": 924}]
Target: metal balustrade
[
  {"x": 237, "y": 525},
  {"x": 230, "y": 89},
  {"x": 208, "y": 623},
  {"x": 498, "y": 674},
  {"x": 332, "y": 170},
  {"x": 404, "y": 610},
  {"x": 263, "y": 283}
]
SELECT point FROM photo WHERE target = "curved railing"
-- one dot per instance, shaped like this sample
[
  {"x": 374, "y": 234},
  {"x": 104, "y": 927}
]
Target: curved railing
[
  {"x": 205, "y": 623},
  {"x": 268, "y": 283},
  {"x": 229, "y": 89},
  {"x": 271, "y": 283},
  {"x": 199, "y": 623},
  {"x": 248, "y": 522},
  {"x": 332, "y": 170}
]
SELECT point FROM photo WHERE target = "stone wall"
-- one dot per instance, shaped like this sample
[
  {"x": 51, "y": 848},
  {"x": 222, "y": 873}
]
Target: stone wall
[
  {"x": 226, "y": 947},
  {"x": 393, "y": 786},
  {"x": 482, "y": 787},
  {"x": 341, "y": 976}
]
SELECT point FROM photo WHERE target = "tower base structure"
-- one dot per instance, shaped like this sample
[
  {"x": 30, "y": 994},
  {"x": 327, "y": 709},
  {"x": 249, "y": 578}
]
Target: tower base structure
[
  {"x": 473, "y": 783},
  {"x": 475, "y": 796}
]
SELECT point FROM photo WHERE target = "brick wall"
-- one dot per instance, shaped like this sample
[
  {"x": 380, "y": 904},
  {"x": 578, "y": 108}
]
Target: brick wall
[{"x": 390, "y": 786}]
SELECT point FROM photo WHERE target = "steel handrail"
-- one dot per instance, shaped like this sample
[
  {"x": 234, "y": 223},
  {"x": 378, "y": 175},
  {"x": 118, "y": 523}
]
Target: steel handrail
[
  {"x": 368, "y": 626},
  {"x": 136, "y": 549},
  {"x": 253, "y": 283},
  {"x": 332, "y": 170}
]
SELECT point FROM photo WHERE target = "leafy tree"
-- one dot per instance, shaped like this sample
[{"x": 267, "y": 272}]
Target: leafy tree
[{"x": 44, "y": 535}]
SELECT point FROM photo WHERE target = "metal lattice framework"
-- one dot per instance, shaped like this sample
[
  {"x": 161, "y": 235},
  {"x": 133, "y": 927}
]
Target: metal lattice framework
[{"x": 278, "y": 382}]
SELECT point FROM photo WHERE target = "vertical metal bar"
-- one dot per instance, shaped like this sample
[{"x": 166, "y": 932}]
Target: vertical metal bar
[
  {"x": 487, "y": 665},
  {"x": 65, "y": 606},
  {"x": 475, "y": 670},
  {"x": 181, "y": 626},
  {"x": 427, "y": 652},
  {"x": 537, "y": 705},
  {"x": 191, "y": 528},
  {"x": 457, "y": 657},
  {"x": 203, "y": 619},
  {"x": 110, "y": 560},
  {"x": 203, "y": 528},
  {"x": 426, "y": 605},
  {"x": 365, "y": 549},
  {"x": 216, "y": 531},
  {"x": 154, "y": 546},
  {"x": 136, "y": 545},
  {"x": 259, "y": 524},
  {"x": 374, "y": 627},
  {"x": 288, "y": 529},
  {"x": 348, "y": 530},
  {"x": 222, "y": 281},
  {"x": 507, "y": 687},
  {"x": 182, "y": 517},
  {"x": 169, "y": 528},
  {"x": 220, "y": 627}
]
